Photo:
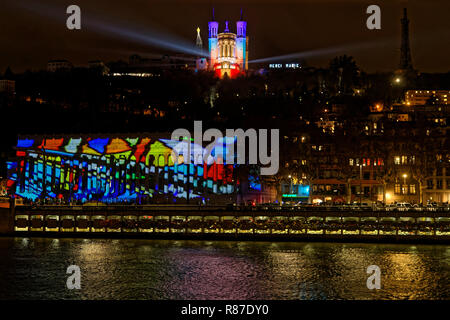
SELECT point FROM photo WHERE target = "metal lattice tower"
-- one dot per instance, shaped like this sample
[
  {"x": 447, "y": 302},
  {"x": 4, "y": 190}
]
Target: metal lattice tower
[{"x": 405, "y": 55}]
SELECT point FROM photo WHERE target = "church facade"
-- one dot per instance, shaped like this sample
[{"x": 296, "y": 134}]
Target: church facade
[{"x": 228, "y": 50}]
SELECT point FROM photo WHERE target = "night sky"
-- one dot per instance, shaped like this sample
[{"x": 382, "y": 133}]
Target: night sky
[{"x": 35, "y": 31}]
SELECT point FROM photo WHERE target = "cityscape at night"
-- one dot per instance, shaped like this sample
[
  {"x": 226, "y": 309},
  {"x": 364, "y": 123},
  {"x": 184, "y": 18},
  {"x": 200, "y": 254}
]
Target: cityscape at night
[{"x": 218, "y": 151}]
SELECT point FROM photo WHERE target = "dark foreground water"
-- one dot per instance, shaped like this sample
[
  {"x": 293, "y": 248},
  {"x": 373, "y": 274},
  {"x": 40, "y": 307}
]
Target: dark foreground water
[{"x": 35, "y": 268}]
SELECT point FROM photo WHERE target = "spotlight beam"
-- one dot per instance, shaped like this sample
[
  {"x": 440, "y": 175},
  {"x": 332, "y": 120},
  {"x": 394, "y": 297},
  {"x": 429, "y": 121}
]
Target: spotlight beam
[
  {"x": 147, "y": 37},
  {"x": 324, "y": 51}
]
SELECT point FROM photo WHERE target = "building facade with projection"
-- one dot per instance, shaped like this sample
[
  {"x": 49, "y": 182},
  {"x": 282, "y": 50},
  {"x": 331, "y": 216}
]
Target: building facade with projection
[
  {"x": 228, "y": 51},
  {"x": 140, "y": 168}
]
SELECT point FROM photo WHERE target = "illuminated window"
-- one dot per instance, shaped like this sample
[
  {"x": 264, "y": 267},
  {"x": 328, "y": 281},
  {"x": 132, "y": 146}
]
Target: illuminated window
[
  {"x": 405, "y": 189},
  {"x": 412, "y": 189},
  {"x": 404, "y": 159},
  {"x": 351, "y": 162},
  {"x": 396, "y": 160},
  {"x": 397, "y": 188}
]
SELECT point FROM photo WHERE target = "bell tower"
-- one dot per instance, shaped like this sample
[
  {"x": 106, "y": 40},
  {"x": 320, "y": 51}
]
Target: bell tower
[
  {"x": 213, "y": 27},
  {"x": 241, "y": 43}
]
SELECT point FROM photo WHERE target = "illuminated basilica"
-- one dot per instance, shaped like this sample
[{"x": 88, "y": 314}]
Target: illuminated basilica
[{"x": 228, "y": 51}]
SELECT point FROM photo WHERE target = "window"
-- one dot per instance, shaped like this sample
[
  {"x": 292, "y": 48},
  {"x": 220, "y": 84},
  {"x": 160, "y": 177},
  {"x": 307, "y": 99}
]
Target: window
[
  {"x": 396, "y": 160},
  {"x": 404, "y": 159},
  {"x": 351, "y": 162},
  {"x": 405, "y": 189},
  {"x": 430, "y": 184},
  {"x": 412, "y": 189},
  {"x": 439, "y": 184},
  {"x": 397, "y": 188}
]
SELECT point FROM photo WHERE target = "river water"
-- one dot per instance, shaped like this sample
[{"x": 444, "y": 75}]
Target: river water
[{"x": 35, "y": 268}]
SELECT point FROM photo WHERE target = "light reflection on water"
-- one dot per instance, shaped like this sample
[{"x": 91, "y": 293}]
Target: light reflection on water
[{"x": 35, "y": 268}]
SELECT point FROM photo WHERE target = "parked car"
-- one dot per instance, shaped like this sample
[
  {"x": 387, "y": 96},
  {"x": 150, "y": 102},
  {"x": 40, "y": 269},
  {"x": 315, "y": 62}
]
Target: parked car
[
  {"x": 404, "y": 206},
  {"x": 391, "y": 207}
]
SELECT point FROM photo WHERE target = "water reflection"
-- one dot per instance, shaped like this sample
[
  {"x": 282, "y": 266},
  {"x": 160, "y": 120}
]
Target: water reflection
[{"x": 34, "y": 268}]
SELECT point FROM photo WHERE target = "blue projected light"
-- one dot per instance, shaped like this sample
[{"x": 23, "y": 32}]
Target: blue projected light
[
  {"x": 98, "y": 144},
  {"x": 25, "y": 143},
  {"x": 303, "y": 191}
]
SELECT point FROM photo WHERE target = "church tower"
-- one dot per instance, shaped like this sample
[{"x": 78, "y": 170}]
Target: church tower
[
  {"x": 213, "y": 27},
  {"x": 242, "y": 43}
]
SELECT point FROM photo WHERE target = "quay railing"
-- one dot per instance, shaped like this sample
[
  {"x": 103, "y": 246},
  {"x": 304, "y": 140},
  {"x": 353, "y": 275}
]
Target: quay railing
[{"x": 169, "y": 219}]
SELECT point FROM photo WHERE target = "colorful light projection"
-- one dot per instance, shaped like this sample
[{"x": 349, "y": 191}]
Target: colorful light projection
[
  {"x": 115, "y": 169},
  {"x": 228, "y": 51}
]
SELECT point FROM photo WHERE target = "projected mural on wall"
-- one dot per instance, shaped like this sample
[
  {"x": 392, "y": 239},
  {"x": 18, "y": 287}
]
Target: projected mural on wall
[{"x": 114, "y": 169}]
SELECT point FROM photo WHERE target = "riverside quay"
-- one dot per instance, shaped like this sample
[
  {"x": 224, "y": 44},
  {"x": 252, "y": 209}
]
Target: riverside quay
[{"x": 231, "y": 221}]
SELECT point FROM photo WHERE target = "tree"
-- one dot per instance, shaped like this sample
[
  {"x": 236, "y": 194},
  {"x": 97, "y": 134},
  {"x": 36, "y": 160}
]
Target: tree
[{"x": 344, "y": 74}]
